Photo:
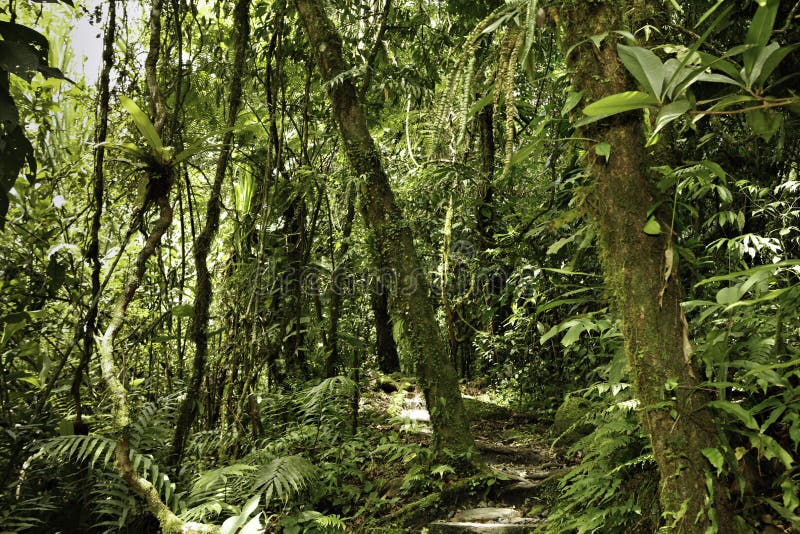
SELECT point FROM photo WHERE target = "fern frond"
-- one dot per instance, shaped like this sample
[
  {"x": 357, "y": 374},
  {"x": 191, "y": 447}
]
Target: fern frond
[
  {"x": 91, "y": 449},
  {"x": 284, "y": 476},
  {"x": 25, "y": 515}
]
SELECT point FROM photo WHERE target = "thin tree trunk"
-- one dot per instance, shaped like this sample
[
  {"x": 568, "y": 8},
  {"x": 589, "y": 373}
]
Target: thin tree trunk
[
  {"x": 332, "y": 359},
  {"x": 393, "y": 237},
  {"x": 93, "y": 251},
  {"x": 203, "y": 290},
  {"x": 678, "y": 422}
]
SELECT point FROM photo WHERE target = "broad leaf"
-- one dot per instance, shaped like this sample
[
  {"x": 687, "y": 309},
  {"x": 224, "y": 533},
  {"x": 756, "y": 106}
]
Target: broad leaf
[
  {"x": 652, "y": 227},
  {"x": 142, "y": 123},
  {"x": 736, "y": 411},
  {"x": 771, "y": 62},
  {"x": 759, "y": 32},
  {"x": 715, "y": 458},
  {"x": 603, "y": 149},
  {"x": 729, "y": 295},
  {"x": 618, "y": 103},
  {"x": 572, "y": 100},
  {"x": 764, "y": 123},
  {"x": 645, "y": 67},
  {"x": 670, "y": 112}
]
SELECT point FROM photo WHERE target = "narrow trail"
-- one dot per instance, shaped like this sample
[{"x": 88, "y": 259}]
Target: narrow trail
[{"x": 515, "y": 449}]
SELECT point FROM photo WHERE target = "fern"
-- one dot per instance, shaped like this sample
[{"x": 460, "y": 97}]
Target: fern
[
  {"x": 24, "y": 515},
  {"x": 284, "y": 476},
  {"x": 212, "y": 491},
  {"x": 91, "y": 449},
  {"x": 615, "y": 486}
]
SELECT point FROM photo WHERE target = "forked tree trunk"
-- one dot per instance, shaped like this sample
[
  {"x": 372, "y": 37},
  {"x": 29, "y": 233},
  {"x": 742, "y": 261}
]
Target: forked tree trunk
[
  {"x": 393, "y": 238},
  {"x": 677, "y": 420}
]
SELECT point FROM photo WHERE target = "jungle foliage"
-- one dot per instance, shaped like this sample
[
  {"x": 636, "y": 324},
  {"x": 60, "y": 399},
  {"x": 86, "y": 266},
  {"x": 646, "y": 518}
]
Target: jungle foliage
[{"x": 231, "y": 256}]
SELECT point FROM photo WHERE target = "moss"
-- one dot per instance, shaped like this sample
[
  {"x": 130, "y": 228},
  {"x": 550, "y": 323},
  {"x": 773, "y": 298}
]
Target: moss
[
  {"x": 570, "y": 423},
  {"x": 478, "y": 409}
]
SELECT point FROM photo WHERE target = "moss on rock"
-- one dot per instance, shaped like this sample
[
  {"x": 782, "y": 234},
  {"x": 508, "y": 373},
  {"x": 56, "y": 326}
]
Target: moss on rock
[{"x": 570, "y": 422}]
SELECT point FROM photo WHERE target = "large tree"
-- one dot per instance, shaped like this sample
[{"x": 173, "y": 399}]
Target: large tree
[
  {"x": 393, "y": 238},
  {"x": 645, "y": 287}
]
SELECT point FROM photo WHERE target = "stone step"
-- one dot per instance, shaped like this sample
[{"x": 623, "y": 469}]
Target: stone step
[
  {"x": 497, "y": 520},
  {"x": 464, "y": 527}
]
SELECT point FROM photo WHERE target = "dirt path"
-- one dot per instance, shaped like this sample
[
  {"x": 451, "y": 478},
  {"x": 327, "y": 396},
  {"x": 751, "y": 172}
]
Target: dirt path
[{"x": 517, "y": 448}]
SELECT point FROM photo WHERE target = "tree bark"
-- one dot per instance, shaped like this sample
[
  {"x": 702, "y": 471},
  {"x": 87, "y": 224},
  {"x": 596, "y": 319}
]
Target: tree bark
[
  {"x": 385, "y": 347},
  {"x": 93, "y": 250},
  {"x": 338, "y": 276},
  {"x": 203, "y": 290},
  {"x": 677, "y": 421},
  {"x": 393, "y": 238}
]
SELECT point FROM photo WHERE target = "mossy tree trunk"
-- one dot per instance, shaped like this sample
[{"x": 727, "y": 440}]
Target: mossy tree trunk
[
  {"x": 393, "y": 239},
  {"x": 677, "y": 419},
  {"x": 203, "y": 289}
]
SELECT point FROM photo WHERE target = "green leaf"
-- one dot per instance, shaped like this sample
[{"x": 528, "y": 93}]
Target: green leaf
[
  {"x": 765, "y": 123},
  {"x": 142, "y": 123},
  {"x": 771, "y": 449},
  {"x": 523, "y": 153},
  {"x": 618, "y": 103},
  {"x": 603, "y": 150},
  {"x": 573, "y": 334},
  {"x": 652, "y": 227},
  {"x": 728, "y": 295},
  {"x": 645, "y": 66},
  {"x": 773, "y": 60},
  {"x": 572, "y": 100},
  {"x": 759, "y": 32},
  {"x": 715, "y": 458},
  {"x": 736, "y": 411},
  {"x": 253, "y": 526},
  {"x": 670, "y": 112}
]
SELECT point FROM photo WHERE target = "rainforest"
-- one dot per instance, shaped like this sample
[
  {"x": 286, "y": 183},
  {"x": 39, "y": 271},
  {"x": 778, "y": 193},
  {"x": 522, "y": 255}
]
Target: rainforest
[{"x": 388, "y": 266}]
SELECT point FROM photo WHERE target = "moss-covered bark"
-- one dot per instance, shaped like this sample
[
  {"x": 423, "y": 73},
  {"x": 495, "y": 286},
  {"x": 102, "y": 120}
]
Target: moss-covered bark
[
  {"x": 393, "y": 237},
  {"x": 203, "y": 290},
  {"x": 677, "y": 420}
]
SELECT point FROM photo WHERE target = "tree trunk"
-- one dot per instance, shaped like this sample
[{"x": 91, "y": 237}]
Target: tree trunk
[
  {"x": 654, "y": 327},
  {"x": 93, "y": 250},
  {"x": 385, "y": 347},
  {"x": 203, "y": 290},
  {"x": 393, "y": 238},
  {"x": 338, "y": 286}
]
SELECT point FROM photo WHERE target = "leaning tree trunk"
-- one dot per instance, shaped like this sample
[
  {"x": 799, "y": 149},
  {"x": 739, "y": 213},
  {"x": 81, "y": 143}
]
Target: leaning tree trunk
[
  {"x": 645, "y": 290},
  {"x": 393, "y": 238},
  {"x": 203, "y": 290}
]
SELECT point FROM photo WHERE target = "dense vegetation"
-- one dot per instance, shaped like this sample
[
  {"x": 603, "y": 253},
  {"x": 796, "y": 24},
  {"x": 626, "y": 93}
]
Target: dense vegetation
[{"x": 237, "y": 257}]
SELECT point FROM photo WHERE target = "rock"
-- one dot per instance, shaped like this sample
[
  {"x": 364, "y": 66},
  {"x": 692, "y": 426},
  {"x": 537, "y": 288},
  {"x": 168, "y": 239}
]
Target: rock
[
  {"x": 477, "y": 409},
  {"x": 570, "y": 420},
  {"x": 387, "y": 384},
  {"x": 484, "y": 515},
  {"x": 505, "y": 520},
  {"x": 442, "y": 527}
]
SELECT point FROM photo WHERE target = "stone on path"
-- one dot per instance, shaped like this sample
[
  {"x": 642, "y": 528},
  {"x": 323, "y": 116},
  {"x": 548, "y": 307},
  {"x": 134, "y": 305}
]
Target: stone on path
[{"x": 496, "y": 520}]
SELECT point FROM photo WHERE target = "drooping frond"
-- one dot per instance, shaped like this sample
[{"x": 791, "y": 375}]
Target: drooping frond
[
  {"x": 284, "y": 476},
  {"x": 93, "y": 449}
]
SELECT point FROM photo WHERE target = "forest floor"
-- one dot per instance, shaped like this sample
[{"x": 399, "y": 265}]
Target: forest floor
[{"x": 512, "y": 494}]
